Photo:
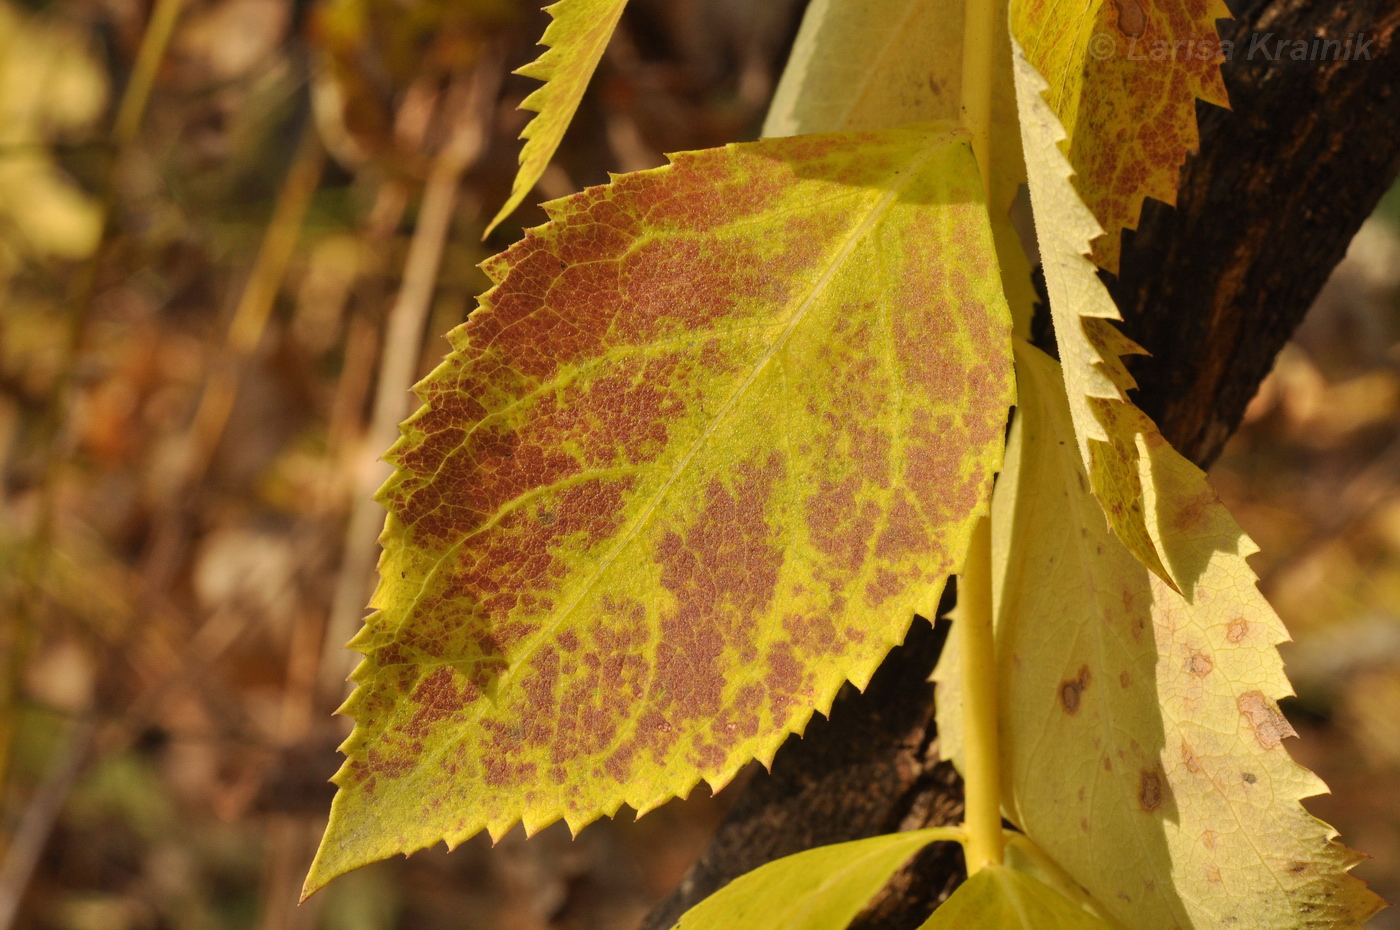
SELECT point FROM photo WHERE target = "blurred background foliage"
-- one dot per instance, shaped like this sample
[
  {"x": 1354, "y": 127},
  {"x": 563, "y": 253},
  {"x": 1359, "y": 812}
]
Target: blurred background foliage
[{"x": 232, "y": 234}]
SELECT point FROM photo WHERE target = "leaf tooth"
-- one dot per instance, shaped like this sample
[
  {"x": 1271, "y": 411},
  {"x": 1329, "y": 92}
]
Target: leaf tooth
[
  {"x": 497, "y": 829},
  {"x": 557, "y": 208},
  {"x": 718, "y": 783},
  {"x": 495, "y": 268},
  {"x": 644, "y": 807},
  {"x": 533, "y": 823}
]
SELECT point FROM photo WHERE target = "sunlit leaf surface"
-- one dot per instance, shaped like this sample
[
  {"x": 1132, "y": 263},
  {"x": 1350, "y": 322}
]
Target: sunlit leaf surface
[
  {"x": 865, "y": 64},
  {"x": 718, "y": 432}
]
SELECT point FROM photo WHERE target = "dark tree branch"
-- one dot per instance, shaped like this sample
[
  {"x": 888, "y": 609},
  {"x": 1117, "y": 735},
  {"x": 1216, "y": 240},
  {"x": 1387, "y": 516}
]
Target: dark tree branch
[{"x": 1213, "y": 288}]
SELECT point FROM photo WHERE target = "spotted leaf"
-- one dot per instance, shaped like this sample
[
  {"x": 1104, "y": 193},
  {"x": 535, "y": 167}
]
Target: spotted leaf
[
  {"x": 1124, "y": 77},
  {"x": 577, "y": 34},
  {"x": 1141, "y": 739},
  {"x": 716, "y": 434}
]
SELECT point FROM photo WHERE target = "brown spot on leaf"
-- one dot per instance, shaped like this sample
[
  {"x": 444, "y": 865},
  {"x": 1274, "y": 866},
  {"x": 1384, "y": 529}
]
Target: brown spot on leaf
[
  {"x": 1124, "y": 679},
  {"x": 436, "y": 697},
  {"x": 1072, "y": 691},
  {"x": 1189, "y": 759},
  {"x": 1248, "y": 778},
  {"x": 1150, "y": 790},
  {"x": 1265, "y": 719},
  {"x": 1139, "y": 627},
  {"x": 1194, "y": 513},
  {"x": 1132, "y": 19},
  {"x": 1237, "y": 630},
  {"x": 1198, "y": 664},
  {"x": 1213, "y": 874}
]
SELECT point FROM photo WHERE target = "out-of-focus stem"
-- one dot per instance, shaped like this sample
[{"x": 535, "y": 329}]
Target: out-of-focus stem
[
  {"x": 159, "y": 28},
  {"x": 32, "y": 833}
]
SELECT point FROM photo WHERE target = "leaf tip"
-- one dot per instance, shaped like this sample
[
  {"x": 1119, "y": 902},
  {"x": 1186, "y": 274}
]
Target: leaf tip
[{"x": 328, "y": 865}]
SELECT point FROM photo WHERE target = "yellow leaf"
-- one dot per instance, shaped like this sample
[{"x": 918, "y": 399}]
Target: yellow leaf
[
  {"x": 1124, "y": 77},
  {"x": 1000, "y": 898},
  {"x": 820, "y": 889},
  {"x": 1141, "y": 738},
  {"x": 576, "y": 37},
  {"x": 718, "y": 432},
  {"x": 1105, "y": 422},
  {"x": 865, "y": 64}
]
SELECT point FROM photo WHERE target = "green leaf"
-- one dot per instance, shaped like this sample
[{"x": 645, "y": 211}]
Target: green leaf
[
  {"x": 1124, "y": 77},
  {"x": 1091, "y": 348},
  {"x": 865, "y": 64},
  {"x": 820, "y": 889},
  {"x": 716, "y": 435},
  {"x": 1000, "y": 898},
  {"x": 1141, "y": 738},
  {"x": 576, "y": 37}
]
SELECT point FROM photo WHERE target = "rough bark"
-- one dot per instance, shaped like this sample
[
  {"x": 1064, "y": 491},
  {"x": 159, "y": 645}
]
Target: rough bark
[{"x": 1212, "y": 288}]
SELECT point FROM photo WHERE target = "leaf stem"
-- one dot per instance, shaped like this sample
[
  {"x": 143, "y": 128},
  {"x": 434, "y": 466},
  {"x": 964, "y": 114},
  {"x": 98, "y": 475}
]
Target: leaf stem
[{"x": 981, "y": 757}]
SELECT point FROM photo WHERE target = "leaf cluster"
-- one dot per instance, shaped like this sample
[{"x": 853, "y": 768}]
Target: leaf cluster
[{"x": 720, "y": 430}]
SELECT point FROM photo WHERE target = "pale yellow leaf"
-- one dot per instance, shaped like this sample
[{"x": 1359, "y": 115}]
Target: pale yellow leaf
[{"x": 1141, "y": 736}]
